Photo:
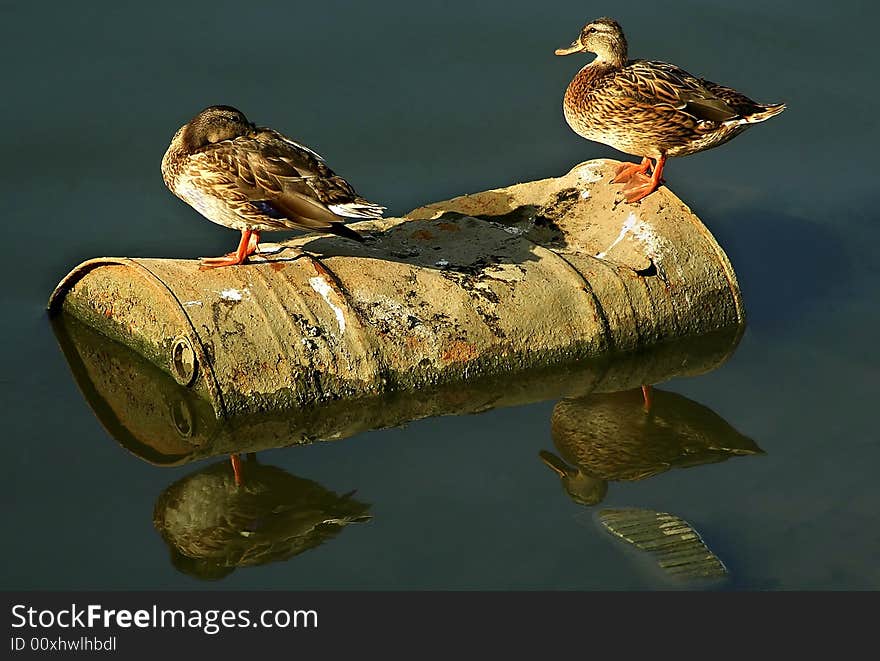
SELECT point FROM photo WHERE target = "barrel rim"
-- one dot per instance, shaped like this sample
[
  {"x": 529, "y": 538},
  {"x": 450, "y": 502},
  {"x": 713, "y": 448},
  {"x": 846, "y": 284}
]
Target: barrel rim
[{"x": 56, "y": 301}]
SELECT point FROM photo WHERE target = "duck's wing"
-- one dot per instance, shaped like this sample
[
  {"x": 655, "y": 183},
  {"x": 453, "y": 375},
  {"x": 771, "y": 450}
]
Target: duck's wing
[
  {"x": 285, "y": 157},
  {"x": 664, "y": 87},
  {"x": 284, "y": 182}
]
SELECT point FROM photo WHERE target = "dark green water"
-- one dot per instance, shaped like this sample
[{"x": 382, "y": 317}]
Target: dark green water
[{"x": 415, "y": 103}]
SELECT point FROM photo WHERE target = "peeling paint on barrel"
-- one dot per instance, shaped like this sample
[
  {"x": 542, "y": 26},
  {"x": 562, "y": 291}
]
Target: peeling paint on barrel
[{"x": 320, "y": 285}]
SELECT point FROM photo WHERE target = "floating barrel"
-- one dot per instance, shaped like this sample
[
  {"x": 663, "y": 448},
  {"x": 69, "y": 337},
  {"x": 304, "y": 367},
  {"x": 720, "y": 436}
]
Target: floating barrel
[{"x": 493, "y": 284}]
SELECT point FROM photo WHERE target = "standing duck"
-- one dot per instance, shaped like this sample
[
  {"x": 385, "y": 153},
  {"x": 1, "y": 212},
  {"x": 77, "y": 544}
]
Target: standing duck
[
  {"x": 255, "y": 179},
  {"x": 649, "y": 109}
]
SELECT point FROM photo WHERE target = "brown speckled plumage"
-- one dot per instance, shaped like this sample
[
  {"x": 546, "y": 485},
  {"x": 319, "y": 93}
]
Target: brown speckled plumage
[
  {"x": 256, "y": 179},
  {"x": 648, "y": 108},
  {"x": 610, "y": 437},
  {"x": 213, "y": 525}
]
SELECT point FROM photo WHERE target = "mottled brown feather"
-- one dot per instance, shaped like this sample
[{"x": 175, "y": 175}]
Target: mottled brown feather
[
  {"x": 258, "y": 178},
  {"x": 651, "y": 108},
  {"x": 263, "y": 166}
]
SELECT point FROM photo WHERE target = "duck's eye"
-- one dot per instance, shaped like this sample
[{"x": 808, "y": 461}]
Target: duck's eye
[{"x": 591, "y": 30}]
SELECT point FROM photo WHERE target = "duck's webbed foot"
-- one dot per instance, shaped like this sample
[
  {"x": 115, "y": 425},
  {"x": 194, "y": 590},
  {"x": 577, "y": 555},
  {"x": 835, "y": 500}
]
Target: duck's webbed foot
[
  {"x": 637, "y": 189},
  {"x": 639, "y": 185},
  {"x": 246, "y": 247},
  {"x": 626, "y": 171}
]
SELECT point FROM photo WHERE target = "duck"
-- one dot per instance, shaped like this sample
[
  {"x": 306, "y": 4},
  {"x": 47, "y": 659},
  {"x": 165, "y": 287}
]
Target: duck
[
  {"x": 651, "y": 109},
  {"x": 617, "y": 437},
  {"x": 255, "y": 179},
  {"x": 212, "y": 526}
]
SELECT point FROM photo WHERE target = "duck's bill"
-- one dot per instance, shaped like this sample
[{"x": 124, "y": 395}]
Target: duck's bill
[
  {"x": 554, "y": 463},
  {"x": 574, "y": 48}
]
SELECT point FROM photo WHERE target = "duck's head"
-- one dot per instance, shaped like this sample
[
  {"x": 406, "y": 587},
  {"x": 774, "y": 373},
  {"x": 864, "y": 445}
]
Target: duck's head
[
  {"x": 581, "y": 487},
  {"x": 213, "y": 124},
  {"x": 604, "y": 37}
]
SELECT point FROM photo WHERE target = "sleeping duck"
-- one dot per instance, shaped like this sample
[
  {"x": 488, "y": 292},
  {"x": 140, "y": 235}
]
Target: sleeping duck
[{"x": 255, "y": 179}]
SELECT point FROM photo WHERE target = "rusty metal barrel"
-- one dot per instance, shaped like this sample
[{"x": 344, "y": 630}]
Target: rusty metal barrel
[{"x": 491, "y": 284}]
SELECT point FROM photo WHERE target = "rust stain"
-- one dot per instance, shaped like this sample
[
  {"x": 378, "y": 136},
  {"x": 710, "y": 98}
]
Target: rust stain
[
  {"x": 277, "y": 266},
  {"x": 423, "y": 234},
  {"x": 449, "y": 227},
  {"x": 460, "y": 352}
]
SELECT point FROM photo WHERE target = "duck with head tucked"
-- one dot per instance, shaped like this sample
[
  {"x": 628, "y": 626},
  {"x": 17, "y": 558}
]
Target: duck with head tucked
[
  {"x": 650, "y": 109},
  {"x": 255, "y": 179}
]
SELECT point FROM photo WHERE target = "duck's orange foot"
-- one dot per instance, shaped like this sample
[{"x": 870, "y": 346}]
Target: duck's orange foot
[
  {"x": 639, "y": 189},
  {"x": 639, "y": 185},
  {"x": 246, "y": 247},
  {"x": 215, "y": 262},
  {"x": 626, "y": 171}
]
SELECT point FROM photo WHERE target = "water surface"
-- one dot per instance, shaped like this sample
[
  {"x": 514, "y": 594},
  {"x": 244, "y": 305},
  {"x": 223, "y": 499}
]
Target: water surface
[{"x": 415, "y": 103}]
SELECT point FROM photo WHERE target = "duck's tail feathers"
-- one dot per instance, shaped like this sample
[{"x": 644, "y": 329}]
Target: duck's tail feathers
[
  {"x": 765, "y": 114},
  {"x": 343, "y": 230},
  {"x": 358, "y": 209}
]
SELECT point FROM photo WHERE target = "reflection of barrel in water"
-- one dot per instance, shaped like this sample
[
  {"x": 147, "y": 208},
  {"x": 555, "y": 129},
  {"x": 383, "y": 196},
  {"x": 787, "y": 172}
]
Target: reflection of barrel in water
[
  {"x": 213, "y": 526},
  {"x": 166, "y": 423},
  {"x": 610, "y": 437}
]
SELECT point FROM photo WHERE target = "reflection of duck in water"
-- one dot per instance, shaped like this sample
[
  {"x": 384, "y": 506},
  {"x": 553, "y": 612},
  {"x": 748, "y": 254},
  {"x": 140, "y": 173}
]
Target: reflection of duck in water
[
  {"x": 611, "y": 437},
  {"x": 213, "y": 526}
]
